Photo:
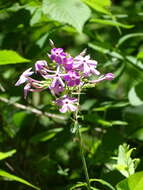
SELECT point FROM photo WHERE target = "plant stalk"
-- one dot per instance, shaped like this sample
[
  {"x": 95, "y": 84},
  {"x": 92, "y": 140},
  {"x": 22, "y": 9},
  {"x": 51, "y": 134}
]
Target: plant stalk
[{"x": 81, "y": 144}]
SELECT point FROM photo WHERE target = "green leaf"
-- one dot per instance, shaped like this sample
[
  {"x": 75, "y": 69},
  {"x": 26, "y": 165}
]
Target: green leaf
[
  {"x": 135, "y": 95},
  {"x": 125, "y": 164},
  {"x": 128, "y": 36},
  {"x": 138, "y": 134},
  {"x": 111, "y": 23},
  {"x": 46, "y": 135},
  {"x": 100, "y": 6},
  {"x": 78, "y": 185},
  {"x": 11, "y": 57},
  {"x": 134, "y": 182},
  {"x": 36, "y": 16},
  {"x": 15, "y": 178},
  {"x": 4, "y": 155},
  {"x": 88, "y": 104},
  {"x": 140, "y": 55},
  {"x": 103, "y": 183},
  {"x": 106, "y": 51},
  {"x": 74, "y": 13},
  {"x": 135, "y": 62}
]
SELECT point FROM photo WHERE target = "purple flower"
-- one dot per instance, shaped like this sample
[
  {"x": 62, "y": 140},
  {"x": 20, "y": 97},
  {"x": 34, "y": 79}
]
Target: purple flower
[
  {"x": 108, "y": 76},
  {"x": 72, "y": 78},
  {"x": 24, "y": 77},
  {"x": 57, "y": 78},
  {"x": 68, "y": 63},
  {"x": 58, "y": 55},
  {"x": 39, "y": 65},
  {"x": 86, "y": 65},
  {"x": 26, "y": 89},
  {"x": 57, "y": 88},
  {"x": 67, "y": 104}
]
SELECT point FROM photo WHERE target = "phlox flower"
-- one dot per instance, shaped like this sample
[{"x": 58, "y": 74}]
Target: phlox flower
[
  {"x": 72, "y": 78},
  {"x": 67, "y": 104},
  {"x": 24, "y": 77},
  {"x": 86, "y": 65}
]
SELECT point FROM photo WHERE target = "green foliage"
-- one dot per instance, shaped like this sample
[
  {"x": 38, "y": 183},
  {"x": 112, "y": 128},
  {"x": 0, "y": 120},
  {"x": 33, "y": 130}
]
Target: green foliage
[
  {"x": 43, "y": 148},
  {"x": 15, "y": 178},
  {"x": 72, "y": 12},
  {"x": 101, "y": 6},
  {"x": 125, "y": 164},
  {"x": 134, "y": 182},
  {"x": 4, "y": 155},
  {"x": 11, "y": 57}
]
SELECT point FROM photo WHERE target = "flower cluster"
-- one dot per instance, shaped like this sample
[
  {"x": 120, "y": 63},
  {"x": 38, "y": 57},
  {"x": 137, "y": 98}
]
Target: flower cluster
[{"x": 64, "y": 76}]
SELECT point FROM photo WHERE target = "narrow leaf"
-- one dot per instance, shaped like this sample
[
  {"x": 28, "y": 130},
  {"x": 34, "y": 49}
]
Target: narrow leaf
[
  {"x": 4, "y": 155},
  {"x": 15, "y": 178},
  {"x": 111, "y": 23}
]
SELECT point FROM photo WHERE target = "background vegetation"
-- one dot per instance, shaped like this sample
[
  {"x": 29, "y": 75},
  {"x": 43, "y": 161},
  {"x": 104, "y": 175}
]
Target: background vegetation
[{"x": 40, "y": 147}]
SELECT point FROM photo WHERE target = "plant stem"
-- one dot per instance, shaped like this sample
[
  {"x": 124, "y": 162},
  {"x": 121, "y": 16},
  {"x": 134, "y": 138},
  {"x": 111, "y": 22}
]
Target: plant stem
[{"x": 81, "y": 144}]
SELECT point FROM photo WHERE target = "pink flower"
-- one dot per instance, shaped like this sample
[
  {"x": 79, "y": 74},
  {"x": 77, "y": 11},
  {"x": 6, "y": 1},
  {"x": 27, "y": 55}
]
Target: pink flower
[
  {"x": 26, "y": 89},
  {"x": 108, "y": 76},
  {"x": 57, "y": 88},
  {"x": 72, "y": 78},
  {"x": 58, "y": 55},
  {"x": 67, "y": 104},
  {"x": 86, "y": 65},
  {"x": 24, "y": 77},
  {"x": 57, "y": 77},
  {"x": 39, "y": 65}
]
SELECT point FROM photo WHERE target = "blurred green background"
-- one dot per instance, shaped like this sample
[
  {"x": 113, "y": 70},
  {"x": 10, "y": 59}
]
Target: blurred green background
[{"x": 44, "y": 150}]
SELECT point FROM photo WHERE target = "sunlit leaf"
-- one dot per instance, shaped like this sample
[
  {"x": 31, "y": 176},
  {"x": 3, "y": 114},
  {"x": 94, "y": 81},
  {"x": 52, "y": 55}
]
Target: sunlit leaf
[
  {"x": 15, "y": 178},
  {"x": 111, "y": 23},
  {"x": 4, "y": 155},
  {"x": 100, "y": 6},
  {"x": 103, "y": 182},
  {"x": 11, "y": 57},
  {"x": 73, "y": 12},
  {"x": 134, "y": 182},
  {"x": 128, "y": 36}
]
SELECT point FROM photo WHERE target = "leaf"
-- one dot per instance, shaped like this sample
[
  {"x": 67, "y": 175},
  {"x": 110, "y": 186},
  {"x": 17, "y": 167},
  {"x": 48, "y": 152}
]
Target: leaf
[
  {"x": 100, "y": 6},
  {"x": 46, "y": 135},
  {"x": 106, "y": 51},
  {"x": 126, "y": 37},
  {"x": 74, "y": 13},
  {"x": 134, "y": 182},
  {"x": 138, "y": 134},
  {"x": 11, "y": 57},
  {"x": 78, "y": 185},
  {"x": 103, "y": 183},
  {"x": 135, "y": 95},
  {"x": 111, "y": 23},
  {"x": 125, "y": 164},
  {"x": 140, "y": 55},
  {"x": 4, "y": 155},
  {"x": 36, "y": 16},
  {"x": 15, "y": 178},
  {"x": 88, "y": 104},
  {"x": 135, "y": 62}
]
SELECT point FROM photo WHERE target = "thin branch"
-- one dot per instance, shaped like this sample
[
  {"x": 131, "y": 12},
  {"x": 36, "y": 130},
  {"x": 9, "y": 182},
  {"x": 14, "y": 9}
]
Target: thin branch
[{"x": 31, "y": 109}]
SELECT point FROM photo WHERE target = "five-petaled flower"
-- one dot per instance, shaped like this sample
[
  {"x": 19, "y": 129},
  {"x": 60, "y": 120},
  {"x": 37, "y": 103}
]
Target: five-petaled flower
[
  {"x": 67, "y": 104},
  {"x": 62, "y": 76},
  {"x": 24, "y": 77}
]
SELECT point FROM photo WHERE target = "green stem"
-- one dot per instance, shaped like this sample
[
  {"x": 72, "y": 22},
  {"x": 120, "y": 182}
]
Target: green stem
[
  {"x": 83, "y": 159},
  {"x": 81, "y": 144}
]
